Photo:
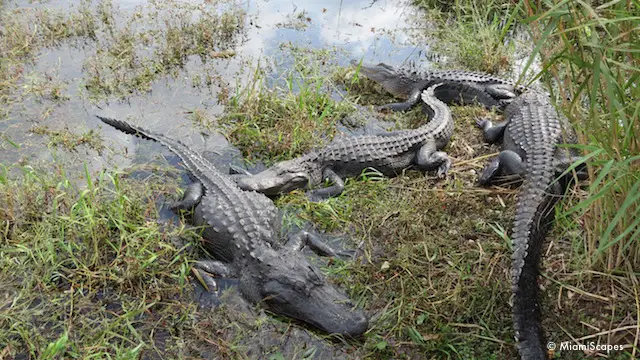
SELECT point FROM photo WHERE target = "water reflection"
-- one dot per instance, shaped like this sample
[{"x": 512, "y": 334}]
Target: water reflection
[{"x": 361, "y": 28}]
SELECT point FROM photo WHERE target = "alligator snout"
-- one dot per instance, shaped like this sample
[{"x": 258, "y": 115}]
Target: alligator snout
[
  {"x": 273, "y": 183},
  {"x": 322, "y": 306}
]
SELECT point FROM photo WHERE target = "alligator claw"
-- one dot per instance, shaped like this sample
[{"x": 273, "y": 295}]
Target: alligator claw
[
  {"x": 443, "y": 170},
  {"x": 481, "y": 123},
  {"x": 207, "y": 281}
]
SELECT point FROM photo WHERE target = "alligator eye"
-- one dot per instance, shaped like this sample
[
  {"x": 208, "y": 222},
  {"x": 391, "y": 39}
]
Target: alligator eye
[
  {"x": 300, "y": 288},
  {"x": 314, "y": 276},
  {"x": 275, "y": 298}
]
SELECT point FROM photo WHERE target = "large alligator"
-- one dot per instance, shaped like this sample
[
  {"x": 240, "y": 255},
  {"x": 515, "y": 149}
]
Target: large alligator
[
  {"x": 530, "y": 135},
  {"x": 389, "y": 153},
  {"x": 240, "y": 228},
  {"x": 487, "y": 90}
]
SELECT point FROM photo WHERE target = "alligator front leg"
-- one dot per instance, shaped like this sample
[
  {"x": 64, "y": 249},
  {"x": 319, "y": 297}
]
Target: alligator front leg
[
  {"x": 506, "y": 163},
  {"x": 204, "y": 269},
  {"x": 492, "y": 133},
  {"x": 304, "y": 238},
  {"x": 330, "y": 191},
  {"x": 428, "y": 158},
  {"x": 402, "y": 106},
  {"x": 192, "y": 195},
  {"x": 236, "y": 173}
]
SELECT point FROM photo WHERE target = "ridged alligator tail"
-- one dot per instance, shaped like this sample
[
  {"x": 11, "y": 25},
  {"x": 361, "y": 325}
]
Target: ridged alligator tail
[
  {"x": 239, "y": 228},
  {"x": 530, "y": 134},
  {"x": 387, "y": 152}
]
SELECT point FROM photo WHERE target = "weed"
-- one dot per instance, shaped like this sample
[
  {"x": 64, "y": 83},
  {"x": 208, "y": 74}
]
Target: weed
[
  {"x": 472, "y": 35},
  {"x": 285, "y": 121},
  {"x": 69, "y": 140},
  {"x": 588, "y": 54},
  {"x": 66, "y": 256}
]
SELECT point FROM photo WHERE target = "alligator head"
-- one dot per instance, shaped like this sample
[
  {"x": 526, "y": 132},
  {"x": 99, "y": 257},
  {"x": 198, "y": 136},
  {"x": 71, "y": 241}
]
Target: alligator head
[
  {"x": 281, "y": 178},
  {"x": 289, "y": 285},
  {"x": 396, "y": 83}
]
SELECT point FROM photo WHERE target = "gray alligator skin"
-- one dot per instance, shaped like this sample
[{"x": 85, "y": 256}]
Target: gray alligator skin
[
  {"x": 240, "y": 228},
  {"x": 389, "y": 153},
  {"x": 487, "y": 90},
  {"x": 530, "y": 134}
]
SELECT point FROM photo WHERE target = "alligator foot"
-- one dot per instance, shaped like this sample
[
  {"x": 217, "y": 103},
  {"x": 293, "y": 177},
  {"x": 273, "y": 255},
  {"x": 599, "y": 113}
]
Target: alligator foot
[
  {"x": 507, "y": 163},
  {"x": 574, "y": 166},
  {"x": 413, "y": 99},
  {"x": 336, "y": 189},
  {"x": 443, "y": 169},
  {"x": 492, "y": 133},
  {"x": 192, "y": 195},
  {"x": 304, "y": 238},
  {"x": 428, "y": 158},
  {"x": 215, "y": 267}
]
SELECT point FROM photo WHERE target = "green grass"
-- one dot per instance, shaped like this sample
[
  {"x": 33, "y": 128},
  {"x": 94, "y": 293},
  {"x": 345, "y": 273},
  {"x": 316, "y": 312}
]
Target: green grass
[
  {"x": 88, "y": 273},
  {"x": 591, "y": 54},
  {"x": 157, "y": 44},
  {"x": 283, "y": 117},
  {"x": 470, "y": 35}
]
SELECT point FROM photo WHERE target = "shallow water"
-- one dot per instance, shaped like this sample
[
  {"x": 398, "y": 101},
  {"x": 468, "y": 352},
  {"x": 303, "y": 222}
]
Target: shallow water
[{"x": 359, "y": 28}]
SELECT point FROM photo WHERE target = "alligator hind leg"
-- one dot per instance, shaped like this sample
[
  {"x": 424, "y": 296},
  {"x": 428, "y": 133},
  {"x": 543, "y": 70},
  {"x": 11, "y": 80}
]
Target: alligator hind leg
[
  {"x": 330, "y": 191},
  {"x": 192, "y": 195},
  {"x": 428, "y": 158},
  {"x": 492, "y": 133},
  {"x": 304, "y": 238},
  {"x": 506, "y": 163}
]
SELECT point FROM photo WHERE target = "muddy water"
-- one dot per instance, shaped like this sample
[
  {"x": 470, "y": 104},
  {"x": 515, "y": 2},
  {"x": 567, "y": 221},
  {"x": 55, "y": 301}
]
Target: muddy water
[{"x": 374, "y": 30}]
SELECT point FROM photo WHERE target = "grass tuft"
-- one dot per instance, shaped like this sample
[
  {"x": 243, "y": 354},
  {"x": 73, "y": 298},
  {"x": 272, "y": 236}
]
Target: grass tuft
[
  {"x": 591, "y": 55},
  {"x": 67, "y": 256},
  {"x": 284, "y": 117},
  {"x": 471, "y": 35}
]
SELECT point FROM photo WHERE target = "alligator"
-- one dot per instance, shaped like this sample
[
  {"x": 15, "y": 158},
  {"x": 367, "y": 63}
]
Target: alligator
[
  {"x": 530, "y": 135},
  {"x": 240, "y": 228},
  {"x": 485, "y": 89},
  {"x": 387, "y": 152}
]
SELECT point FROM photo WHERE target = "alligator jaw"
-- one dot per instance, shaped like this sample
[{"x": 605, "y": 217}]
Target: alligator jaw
[
  {"x": 397, "y": 84},
  {"x": 279, "y": 179},
  {"x": 302, "y": 293},
  {"x": 270, "y": 183}
]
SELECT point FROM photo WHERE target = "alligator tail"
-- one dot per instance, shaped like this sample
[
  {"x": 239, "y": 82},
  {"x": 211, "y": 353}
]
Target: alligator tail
[
  {"x": 534, "y": 215},
  {"x": 192, "y": 161}
]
